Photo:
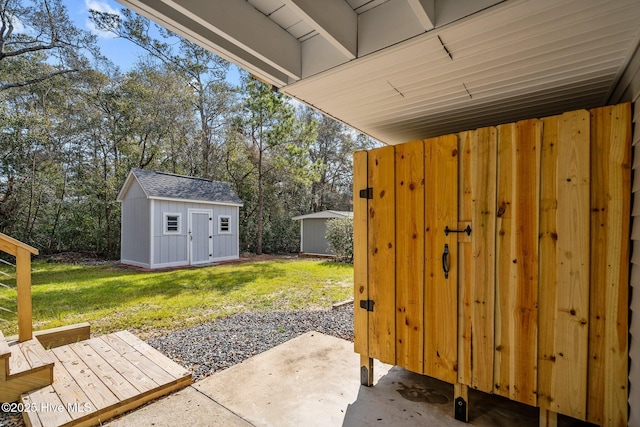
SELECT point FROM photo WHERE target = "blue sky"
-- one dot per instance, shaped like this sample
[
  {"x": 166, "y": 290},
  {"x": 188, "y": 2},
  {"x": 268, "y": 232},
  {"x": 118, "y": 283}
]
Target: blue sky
[{"x": 122, "y": 52}]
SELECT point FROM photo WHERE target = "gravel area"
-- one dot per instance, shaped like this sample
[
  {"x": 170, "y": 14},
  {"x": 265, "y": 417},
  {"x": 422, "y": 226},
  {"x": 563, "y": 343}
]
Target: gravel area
[
  {"x": 211, "y": 347},
  {"x": 214, "y": 346}
]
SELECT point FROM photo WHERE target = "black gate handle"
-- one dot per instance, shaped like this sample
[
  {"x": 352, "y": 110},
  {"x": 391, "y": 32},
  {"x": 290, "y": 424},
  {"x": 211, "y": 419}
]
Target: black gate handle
[{"x": 445, "y": 261}]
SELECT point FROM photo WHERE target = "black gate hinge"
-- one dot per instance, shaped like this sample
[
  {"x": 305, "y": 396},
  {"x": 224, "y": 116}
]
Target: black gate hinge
[
  {"x": 367, "y": 304},
  {"x": 367, "y": 193}
]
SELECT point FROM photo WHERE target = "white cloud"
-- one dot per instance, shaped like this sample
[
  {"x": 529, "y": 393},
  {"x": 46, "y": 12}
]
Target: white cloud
[{"x": 100, "y": 6}]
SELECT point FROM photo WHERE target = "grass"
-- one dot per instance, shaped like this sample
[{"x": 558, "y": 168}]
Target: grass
[{"x": 113, "y": 298}]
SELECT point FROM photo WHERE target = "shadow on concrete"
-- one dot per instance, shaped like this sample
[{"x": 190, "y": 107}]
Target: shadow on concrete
[{"x": 403, "y": 398}]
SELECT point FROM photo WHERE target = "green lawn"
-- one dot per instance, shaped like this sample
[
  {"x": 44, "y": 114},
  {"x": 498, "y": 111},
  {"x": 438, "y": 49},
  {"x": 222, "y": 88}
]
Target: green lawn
[{"x": 112, "y": 298}]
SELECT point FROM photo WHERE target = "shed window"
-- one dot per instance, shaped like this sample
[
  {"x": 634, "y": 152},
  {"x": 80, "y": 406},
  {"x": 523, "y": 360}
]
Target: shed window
[
  {"x": 172, "y": 223},
  {"x": 224, "y": 224}
]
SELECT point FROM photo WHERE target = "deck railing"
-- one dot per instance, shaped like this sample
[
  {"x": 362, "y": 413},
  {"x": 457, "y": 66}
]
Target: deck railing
[{"x": 22, "y": 252}]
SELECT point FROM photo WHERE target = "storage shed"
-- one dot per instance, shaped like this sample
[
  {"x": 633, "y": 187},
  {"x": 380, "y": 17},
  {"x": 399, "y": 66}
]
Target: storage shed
[
  {"x": 313, "y": 228},
  {"x": 172, "y": 220}
]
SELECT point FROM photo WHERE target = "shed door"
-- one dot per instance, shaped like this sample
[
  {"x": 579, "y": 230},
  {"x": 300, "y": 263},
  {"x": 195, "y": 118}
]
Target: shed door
[
  {"x": 405, "y": 265},
  {"x": 200, "y": 236}
]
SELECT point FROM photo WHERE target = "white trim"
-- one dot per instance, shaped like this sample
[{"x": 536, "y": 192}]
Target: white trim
[
  {"x": 151, "y": 232},
  {"x": 135, "y": 263},
  {"x": 190, "y": 213},
  {"x": 238, "y": 232},
  {"x": 206, "y": 202},
  {"x": 228, "y": 217},
  {"x": 170, "y": 264},
  {"x": 316, "y": 254},
  {"x": 226, "y": 258},
  {"x": 324, "y": 215},
  {"x": 302, "y": 235},
  {"x": 165, "y": 224},
  {"x": 127, "y": 184}
]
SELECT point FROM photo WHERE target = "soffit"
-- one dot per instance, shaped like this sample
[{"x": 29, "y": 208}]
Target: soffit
[{"x": 404, "y": 69}]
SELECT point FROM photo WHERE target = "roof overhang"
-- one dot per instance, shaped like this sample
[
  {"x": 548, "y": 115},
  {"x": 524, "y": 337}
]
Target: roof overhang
[
  {"x": 405, "y": 69},
  {"x": 324, "y": 215}
]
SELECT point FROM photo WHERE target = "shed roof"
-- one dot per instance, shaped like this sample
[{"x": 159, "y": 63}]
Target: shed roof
[
  {"x": 163, "y": 185},
  {"x": 324, "y": 215}
]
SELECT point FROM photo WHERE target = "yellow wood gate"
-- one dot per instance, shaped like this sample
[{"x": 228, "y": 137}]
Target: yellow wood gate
[{"x": 497, "y": 259}]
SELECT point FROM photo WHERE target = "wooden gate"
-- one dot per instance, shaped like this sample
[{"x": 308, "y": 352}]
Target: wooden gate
[{"x": 497, "y": 259}]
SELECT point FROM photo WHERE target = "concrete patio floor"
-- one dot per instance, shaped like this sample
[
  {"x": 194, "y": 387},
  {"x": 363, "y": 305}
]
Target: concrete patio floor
[{"x": 313, "y": 380}]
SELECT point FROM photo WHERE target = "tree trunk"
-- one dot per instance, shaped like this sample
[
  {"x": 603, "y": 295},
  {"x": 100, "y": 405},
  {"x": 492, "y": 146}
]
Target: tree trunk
[{"x": 260, "y": 203}]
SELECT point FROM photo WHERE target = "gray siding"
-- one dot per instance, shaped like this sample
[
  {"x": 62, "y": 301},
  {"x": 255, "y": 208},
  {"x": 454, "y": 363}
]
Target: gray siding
[
  {"x": 173, "y": 250},
  {"x": 225, "y": 246},
  {"x": 629, "y": 90},
  {"x": 313, "y": 236},
  {"x": 135, "y": 227},
  {"x": 169, "y": 250}
]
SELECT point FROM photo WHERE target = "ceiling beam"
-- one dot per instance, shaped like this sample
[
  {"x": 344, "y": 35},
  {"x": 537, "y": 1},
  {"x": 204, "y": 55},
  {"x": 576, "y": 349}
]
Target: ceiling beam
[
  {"x": 425, "y": 11},
  {"x": 165, "y": 16},
  {"x": 244, "y": 26},
  {"x": 335, "y": 20}
]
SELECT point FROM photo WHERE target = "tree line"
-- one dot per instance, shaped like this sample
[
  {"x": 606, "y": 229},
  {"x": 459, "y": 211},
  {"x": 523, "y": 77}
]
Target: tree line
[{"x": 72, "y": 125}]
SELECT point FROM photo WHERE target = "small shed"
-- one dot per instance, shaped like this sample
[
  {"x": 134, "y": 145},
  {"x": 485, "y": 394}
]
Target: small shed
[
  {"x": 313, "y": 228},
  {"x": 173, "y": 220}
]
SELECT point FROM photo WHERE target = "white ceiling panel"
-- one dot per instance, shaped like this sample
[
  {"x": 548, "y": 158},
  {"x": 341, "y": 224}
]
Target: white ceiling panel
[{"x": 486, "y": 62}]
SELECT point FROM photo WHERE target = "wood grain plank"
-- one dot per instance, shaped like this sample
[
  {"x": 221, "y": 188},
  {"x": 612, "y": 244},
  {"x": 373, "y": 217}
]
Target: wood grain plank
[
  {"x": 360, "y": 251},
  {"x": 410, "y": 255},
  {"x": 154, "y": 355},
  {"x": 517, "y": 257},
  {"x": 52, "y": 411},
  {"x": 153, "y": 371},
  {"x": 569, "y": 382},
  {"x": 617, "y": 297},
  {"x": 5, "y": 351},
  {"x": 35, "y": 355},
  {"x": 524, "y": 300},
  {"x": 118, "y": 385},
  {"x": 98, "y": 393},
  {"x": 441, "y": 302},
  {"x": 483, "y": 274},
  {"x": 70, "y": 393},
  {"x": 381, "y": 261},
  {"x": 23, "y": 286},
  {"x": 504, "y": 265},
  {"x": 610, "y": 222},
  {"x": 547, "y": 308},
  {"x": 134, "y": 375},
  {"x": 17, "y": 362},
  {"x": 31, "y": 419},
  {"x": 466, "y": 140}
]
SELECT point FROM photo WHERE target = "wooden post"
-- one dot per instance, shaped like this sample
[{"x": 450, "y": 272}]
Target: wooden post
[
  {"x": 366, "y": 371},
  {"x": 548, "y": 418},
  {"x": 461, "y": 402},
  {"x": 23, "y": 282}
]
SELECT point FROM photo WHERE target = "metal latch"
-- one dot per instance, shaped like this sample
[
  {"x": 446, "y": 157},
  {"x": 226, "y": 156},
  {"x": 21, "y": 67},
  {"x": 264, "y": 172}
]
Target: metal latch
[
  {"x": 367, "y": 193},
  {"x": 467, "y": 230},
  {"x": 367, "y": 304}
]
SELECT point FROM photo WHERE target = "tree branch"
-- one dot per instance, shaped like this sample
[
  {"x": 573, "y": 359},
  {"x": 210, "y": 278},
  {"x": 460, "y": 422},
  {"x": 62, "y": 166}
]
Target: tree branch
[{"x": 36, "y": 80}]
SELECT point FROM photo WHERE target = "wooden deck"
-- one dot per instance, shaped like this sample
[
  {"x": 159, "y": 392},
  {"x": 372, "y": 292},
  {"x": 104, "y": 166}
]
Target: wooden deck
[{"x": 100, "y": 378}]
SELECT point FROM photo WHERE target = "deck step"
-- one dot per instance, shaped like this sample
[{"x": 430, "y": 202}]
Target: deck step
[
  {"x": 28, "y": 356},
  {"x": 24, "y": 366},
  {"x": 5, "y": 352},
  {"x": 100, "y": 378}
]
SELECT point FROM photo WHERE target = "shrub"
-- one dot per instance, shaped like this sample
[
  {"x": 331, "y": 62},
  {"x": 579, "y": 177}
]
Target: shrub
[{"x": 339, "y": 236}]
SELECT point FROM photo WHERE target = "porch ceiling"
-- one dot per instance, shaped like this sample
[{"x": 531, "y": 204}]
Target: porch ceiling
[{"x": 405, "y": 69}]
